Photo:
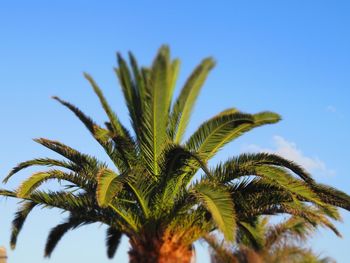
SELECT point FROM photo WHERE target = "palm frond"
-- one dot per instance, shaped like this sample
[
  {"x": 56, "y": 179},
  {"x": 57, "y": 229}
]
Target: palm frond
[
  {"x": 157, "y": 104},
  {"x": 79, "y": 180},
  {"x": 184, "y": 104},
  {"x": 114, "y": 120},
  {"x": 131, "y": 92},
  {"x": 218, "y": 131},
  {"x": 109, "y": 184},
  {"x": 41, "y": 162},
  {"x": 130, "y": 218},
  {"x": 283, "y": 179},
  {"x": 177, "y": 163},
  {"x": 95, "y": 130},
  {"x": 120, "y": 135},
  {"x": 113, "y": 238},
  {"x": 251, "y": 235},
  {"x": 60, "y": 230},
  {"x": 218, "y": 202},
  {"x": 245, "y": 164},
  {"x": 20, "y": 217},
  {"x": 294, "y": 229},
  {"x": 225, "y": 127},
  {"x": 332, "y": 196},
  {"x": 141, "y": 187},
  {"x": 8, "y": 193},
  {"x": 69, "y": 153}
]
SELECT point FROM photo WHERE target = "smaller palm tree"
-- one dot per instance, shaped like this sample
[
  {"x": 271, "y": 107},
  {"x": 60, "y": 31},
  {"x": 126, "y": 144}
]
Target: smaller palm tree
[{"x": 273, "y": 243}]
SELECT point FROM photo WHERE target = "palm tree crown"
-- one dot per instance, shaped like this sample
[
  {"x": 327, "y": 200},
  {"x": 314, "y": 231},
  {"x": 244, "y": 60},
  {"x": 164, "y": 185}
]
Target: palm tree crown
[
  {"x": 153, "y": 194},
  {"x": 273, "y": 243}
]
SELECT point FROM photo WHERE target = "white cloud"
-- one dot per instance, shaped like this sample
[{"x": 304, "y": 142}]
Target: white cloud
[{"x": 289, "y": 150}]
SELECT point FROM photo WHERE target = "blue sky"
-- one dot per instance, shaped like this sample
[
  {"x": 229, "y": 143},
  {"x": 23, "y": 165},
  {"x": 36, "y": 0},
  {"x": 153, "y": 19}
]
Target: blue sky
[{"x": 291, "y": 57}]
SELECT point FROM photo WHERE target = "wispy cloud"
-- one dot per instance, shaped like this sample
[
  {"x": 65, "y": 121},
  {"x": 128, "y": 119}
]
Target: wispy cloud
[
  {"x": 289, "y": 150},
  {"x": 334, "y": 111},
  {"x": 331, "y": 108}
]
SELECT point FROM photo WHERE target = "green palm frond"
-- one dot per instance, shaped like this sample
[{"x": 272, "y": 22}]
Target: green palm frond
[
  {"x": 109, "y": 184},
  {"x": 212, "y": 135},
  {"x": 114, "y": 120},
  {"x": 270, "y": 175},
  {"x": 87, "y": 121},
  {"x": 33, "y": 182},
  {"x": 175, "y": 167},
  {"x": 120, "y": 135},
  {"x": 133, "y": 95},
  {"x": 257, "y": 197},
  {"x": 282, "y": 178},
  {"x": 251, "y": 235},
  {"x": 63, "y": 200},
  {"x": 294, "y": 229},
  {"x": 131, "y": 219},
  {"x": 217, "y": 132},
  {"x": 332, "y": 196},
  {"x": 71, "y": 154},
  {"x": 8, "y": 193},
  {"x": 41, "y": 162},
  {"x": 96, "y": 132},
  {"x": 184, "y": 104},
  {"x": 245, "y": 164},
  {"x": 158, "y": 98},
  {"x": 280, "y": 242},
  {"x": 141, "y": 187},
  {"x": 218, "y": 202}
]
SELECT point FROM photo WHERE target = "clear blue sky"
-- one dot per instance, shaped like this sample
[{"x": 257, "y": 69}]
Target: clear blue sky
[{"x": 291, "y": 57}]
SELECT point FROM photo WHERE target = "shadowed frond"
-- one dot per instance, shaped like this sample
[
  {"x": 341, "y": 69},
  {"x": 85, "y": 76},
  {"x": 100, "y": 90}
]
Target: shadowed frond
[
  {"x": 69, "y": 153},
  {"x": 332, "y": 196},
  {"x": 97, "y": 132},
  {"x": 245, "y": 164},
  {"x": 60, "y": 230},
  {"x": 117, "y": 126},
  {"x": 177, "y": 162},
  {"x": 113, "y": 238},
  {"x": 133, "y": 95},
  {"x": 141, "y": 187},
  {"x": 20, "y": 217},
  {"x": 252, "y": 234}
]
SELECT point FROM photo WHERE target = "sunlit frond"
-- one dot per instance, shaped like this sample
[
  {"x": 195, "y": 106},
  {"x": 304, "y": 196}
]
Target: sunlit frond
[
  {"x": 218, "y": 202},
  {"x": 184, "y": 104}
]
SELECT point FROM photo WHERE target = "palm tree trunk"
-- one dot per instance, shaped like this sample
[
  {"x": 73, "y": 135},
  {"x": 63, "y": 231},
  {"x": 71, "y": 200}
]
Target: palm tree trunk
[
  {"x": 3, "y": 255},
  {"x": 159, "y": 251}
]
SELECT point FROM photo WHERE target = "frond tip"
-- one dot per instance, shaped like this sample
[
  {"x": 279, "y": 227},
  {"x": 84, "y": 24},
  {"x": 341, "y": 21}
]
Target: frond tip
[{"x": 113, "y": 238}]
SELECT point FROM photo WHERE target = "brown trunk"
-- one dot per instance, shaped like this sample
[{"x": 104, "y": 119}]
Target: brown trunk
[{"x": 165, "y": 250}]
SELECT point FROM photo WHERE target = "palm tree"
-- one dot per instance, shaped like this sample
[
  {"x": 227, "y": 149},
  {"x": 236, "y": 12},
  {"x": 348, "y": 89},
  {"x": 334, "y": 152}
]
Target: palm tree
[
  {"x": 273, "y": 243},
  {"x": 160, "y": 192}
]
